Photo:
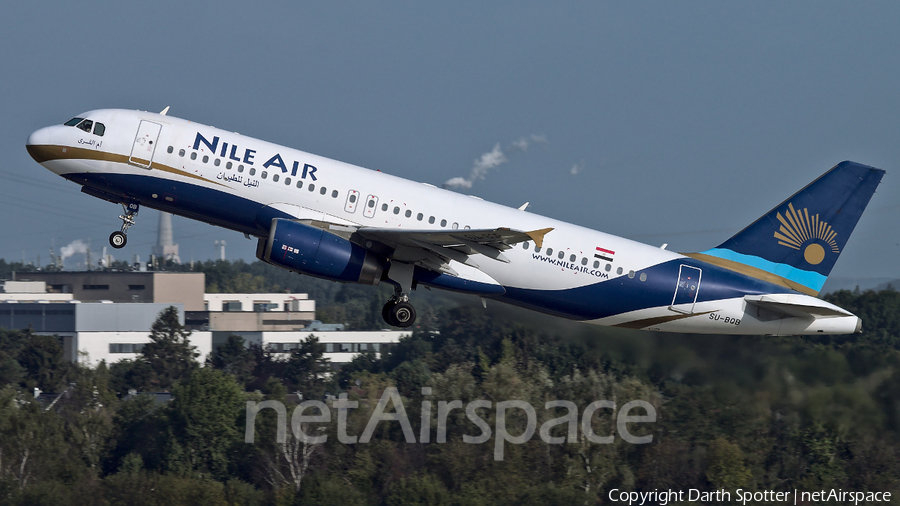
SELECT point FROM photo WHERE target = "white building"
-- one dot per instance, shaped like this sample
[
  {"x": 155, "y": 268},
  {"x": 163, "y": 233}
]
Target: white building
[
  {"x": 259, "y": 302},
  {"x": 109, "y": 331}
]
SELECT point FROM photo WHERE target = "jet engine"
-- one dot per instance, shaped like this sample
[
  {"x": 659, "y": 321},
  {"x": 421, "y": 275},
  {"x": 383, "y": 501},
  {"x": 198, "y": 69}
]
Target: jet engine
[{"x": 309, "y": 250}]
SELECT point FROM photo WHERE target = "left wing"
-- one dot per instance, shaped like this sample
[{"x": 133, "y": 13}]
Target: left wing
[{"x": 434, "y": 249}]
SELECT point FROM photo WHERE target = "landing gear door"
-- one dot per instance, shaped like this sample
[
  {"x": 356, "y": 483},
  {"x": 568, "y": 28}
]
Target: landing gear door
[
  {"x": 686, "y": 290},
  {"x": 144, "y": 144}
]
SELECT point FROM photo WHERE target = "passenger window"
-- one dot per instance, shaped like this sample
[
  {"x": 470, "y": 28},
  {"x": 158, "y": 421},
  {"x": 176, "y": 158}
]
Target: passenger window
[
  {"x": 311, "y": 187},
  {"x": 549, "y": 251},
  {"x": 371, "y": 203},
  {"x": 86, "y": 125},
  {"x": 408, "y": 213},
  {"x": 608, "y": 267},
  {"x": 584, "y": 261},
  {"x": 525, "y": 245},
  {"x": 275, "y": 177},
  {"x": 420, "y": 216},
  {"x": 228, "y": 165},
  {"x": 352, "y": 198},
  {"x": 264, "y": 174},
  {"x": 443, "y": 223},
  {"x": 561, "y": 255},
  {"x": 252, "y": 171},
  {"x": 396, "y": 210},
  {"x": 287, "y": 181},
  {"x": 240, "y": 168},
  {"x": 299, "y": 183},
  {"x": 537, "y": 249},
  {"x": 323, "y": 190},
  {"x": 455, "y": 225},
  {"x": 384, "y": 207},
  {"x": 334, "y": 194},
  {"x": 217, "y": 162},
  {"x": 169, "y": 149},
  {"x": 100, "y": 129},
  {"x": 205, "y": 158},
  {"x": 194, "y": 155},
  {"x": 596, "y": 263},
  {"x": 181, "y": 153},
  {"x": 571, "y": 258},
  {"x": 431, "y": 220},
  {"x": 619, "y": 270}
]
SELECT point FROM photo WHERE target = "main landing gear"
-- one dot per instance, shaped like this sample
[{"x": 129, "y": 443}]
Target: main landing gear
[
  {"x": 398, "y": 311},
  {"x": 118, "y": 239}
]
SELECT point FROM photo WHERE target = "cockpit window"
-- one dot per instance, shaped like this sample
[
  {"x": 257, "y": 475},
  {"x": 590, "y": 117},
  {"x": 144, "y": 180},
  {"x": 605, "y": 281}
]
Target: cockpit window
[
  {"x": 73, "y": 121},
  {"x": 99, "y": 129},
  {"x": 86, "y": 125}
]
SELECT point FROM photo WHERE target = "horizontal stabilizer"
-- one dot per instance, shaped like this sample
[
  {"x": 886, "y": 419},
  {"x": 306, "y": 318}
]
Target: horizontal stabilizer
[{"x": 799, "y": 306}]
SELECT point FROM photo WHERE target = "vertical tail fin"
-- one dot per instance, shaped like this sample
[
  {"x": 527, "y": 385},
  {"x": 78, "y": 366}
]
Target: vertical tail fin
[{"x": 797, "y": 243}]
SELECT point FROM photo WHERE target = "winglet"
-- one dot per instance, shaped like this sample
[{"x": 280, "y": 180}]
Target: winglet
[
  {"x": 538, "y": 236},
  {"x": 164, "y": 111}
]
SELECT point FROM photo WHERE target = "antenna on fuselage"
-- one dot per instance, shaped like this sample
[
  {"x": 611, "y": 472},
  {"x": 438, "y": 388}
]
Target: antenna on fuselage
[{"x": 164, "y": 111}]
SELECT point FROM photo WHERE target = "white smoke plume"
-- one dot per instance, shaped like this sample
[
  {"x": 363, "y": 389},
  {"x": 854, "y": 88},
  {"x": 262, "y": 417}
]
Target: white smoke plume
[
  {"x": 492, "y": 159},
  {"x": 578, "y": 167},
  {"x": 524, "y": 142},
  {"x": 76, "y": 246}
]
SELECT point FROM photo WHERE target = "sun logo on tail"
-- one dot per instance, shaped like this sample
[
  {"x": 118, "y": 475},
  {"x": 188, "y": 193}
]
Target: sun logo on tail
[{"x": 799, "y": 228}]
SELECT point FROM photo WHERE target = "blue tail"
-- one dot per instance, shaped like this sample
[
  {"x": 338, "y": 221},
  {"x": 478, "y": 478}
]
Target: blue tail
[{"x": 797, "y": 243}]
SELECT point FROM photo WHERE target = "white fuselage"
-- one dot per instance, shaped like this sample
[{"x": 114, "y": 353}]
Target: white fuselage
[{"x": 225, "y": 178}]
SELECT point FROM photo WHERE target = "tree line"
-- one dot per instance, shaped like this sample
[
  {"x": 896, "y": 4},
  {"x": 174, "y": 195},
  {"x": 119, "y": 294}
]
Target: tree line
[{"x": 751, "y": 412}]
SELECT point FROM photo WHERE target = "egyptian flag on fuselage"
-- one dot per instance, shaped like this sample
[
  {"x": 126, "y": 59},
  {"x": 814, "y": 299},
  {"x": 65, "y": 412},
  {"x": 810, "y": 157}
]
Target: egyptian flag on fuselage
[{"x": 604, "y": 254}]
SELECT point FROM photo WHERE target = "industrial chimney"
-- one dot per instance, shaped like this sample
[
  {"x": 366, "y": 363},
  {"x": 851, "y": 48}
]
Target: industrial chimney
[{"x": 165, "y": 249}]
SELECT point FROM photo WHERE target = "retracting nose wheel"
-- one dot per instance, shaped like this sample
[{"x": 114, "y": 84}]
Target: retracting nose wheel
[
  {"x": 119, "y": 238},
  {"x": 398, "y": 312}
]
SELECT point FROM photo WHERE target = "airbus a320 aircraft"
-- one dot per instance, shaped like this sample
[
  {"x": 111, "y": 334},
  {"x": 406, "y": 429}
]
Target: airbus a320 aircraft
[{"x": 345, "y": 223}]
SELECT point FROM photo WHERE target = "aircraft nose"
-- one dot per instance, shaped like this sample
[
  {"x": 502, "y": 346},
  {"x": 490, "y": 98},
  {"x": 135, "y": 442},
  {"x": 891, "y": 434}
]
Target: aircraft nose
[{"x": 37, "y": 141}]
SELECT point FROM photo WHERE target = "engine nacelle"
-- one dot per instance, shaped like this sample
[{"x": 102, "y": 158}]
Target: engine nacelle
[{"x": 302, "y": 248}]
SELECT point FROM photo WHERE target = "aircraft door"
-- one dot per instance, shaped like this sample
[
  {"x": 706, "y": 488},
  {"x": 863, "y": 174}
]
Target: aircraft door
[
  {"x": 144, "y": 144},
  {"x": 687, "y": 289}
]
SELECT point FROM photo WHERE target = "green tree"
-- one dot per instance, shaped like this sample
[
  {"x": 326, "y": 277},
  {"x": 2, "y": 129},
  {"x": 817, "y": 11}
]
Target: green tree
[
  {"x": 206, "y": 421},
  {"x": 234, "y": 358},
  {"x": 42, "y": 359},
  {"x": 726, "y": 469},
  {"x": 170, "y": 354},
  {"x": 307, "y": 369}
]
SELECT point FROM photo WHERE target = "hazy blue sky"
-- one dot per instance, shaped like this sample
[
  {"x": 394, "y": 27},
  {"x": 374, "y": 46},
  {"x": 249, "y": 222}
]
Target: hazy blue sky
[{"x": 676, "y": 122}]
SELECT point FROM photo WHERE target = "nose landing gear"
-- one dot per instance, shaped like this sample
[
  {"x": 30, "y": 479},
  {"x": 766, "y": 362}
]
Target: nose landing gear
[{"x": 118, "y": 239}]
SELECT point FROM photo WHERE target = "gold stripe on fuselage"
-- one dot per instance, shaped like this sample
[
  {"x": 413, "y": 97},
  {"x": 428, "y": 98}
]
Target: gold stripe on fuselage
[
  {"x": 753, "y": 272},
  {"x": 49, "y": 152}
]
